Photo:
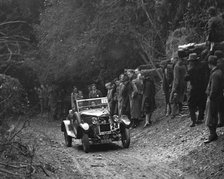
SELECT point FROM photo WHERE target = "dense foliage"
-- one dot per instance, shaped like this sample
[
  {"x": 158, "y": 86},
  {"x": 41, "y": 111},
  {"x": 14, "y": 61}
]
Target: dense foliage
[
  {"x": 98, "y": 39},
  {"x": 80, "y": 42},
  {"x": 13, "y": 98},
  {"x": 79, "y": 39},
  {"x": 18, "y": 44}
]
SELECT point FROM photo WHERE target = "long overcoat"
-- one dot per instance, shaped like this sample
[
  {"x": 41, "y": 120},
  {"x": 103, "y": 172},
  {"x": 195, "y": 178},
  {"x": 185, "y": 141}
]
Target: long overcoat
[
  {"x": 215, "y": 93},
  {"x": 196, "y": 78},
  {"x": 149, "y": 92},
  {"x": 137, "y": 86}
]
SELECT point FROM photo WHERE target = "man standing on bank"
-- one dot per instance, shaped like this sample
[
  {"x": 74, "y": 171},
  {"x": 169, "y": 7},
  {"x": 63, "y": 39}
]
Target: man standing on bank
[
  {"x": 178, "y": 86},
  {"x": 215, "y": 92},
  {"x": 197, "y": 96},
  {"x": 220, "y": 64}
]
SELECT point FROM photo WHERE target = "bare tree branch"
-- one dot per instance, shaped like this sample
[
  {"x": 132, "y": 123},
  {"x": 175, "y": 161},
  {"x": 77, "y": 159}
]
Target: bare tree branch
[
  {"x": 10, "y": 53},
  {"x": 8, "y": 172},
  {"x": 12, "y": 22},
  {"x": 151, "y": 21},
  {"x": 13, "y": 166},
  {"x": 23, "y": 126}
]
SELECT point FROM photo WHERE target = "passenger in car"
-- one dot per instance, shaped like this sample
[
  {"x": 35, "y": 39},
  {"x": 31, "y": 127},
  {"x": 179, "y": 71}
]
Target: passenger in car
[{"x": 95, "y": 93}]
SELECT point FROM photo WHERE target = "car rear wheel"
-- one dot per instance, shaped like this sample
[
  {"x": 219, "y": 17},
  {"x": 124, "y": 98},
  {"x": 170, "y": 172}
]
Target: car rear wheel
[
  {"x": 68, "y": 139},
  {"x": 125, "y": 137},
  {"x": 85, "y": 143}
]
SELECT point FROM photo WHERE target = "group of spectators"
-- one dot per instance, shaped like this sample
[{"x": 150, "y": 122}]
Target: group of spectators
[
  {"x": 201, "y": 77},
  {"x": 205, "y": 74},
  {"x": 176, "y": 73},
  {"x": 132, "y": 94}
]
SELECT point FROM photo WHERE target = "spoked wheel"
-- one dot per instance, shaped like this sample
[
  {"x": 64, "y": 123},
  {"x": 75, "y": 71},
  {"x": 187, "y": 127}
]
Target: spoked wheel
[
  {"x": 85, "y": 143},
  {"x": 68, "y": 139},
  {"x": 125, "y": 137}
]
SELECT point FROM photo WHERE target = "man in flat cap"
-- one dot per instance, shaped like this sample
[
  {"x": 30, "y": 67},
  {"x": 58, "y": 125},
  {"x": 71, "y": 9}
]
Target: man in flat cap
[
  {"x": 220, "y": 59},
  {"x": 197, "y": 96},
  {"x": 215, "y": 93}
]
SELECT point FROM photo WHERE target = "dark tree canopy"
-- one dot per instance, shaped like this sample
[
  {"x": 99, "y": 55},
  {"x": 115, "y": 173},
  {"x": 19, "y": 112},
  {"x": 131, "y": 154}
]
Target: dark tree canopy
[{"x": 79, "y": 41}]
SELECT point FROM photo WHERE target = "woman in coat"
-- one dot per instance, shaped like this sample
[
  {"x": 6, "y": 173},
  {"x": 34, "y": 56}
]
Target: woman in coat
[
  {"x": 119, "y": 94},
  {"x": 134, "y": 97},
  {"x": 148, "y": 101}
]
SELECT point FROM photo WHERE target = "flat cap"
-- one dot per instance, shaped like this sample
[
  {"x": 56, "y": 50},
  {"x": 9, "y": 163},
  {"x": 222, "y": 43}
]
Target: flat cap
[
  {"x": 212, "y": 60},
  {"x": 219, "y": 54},
  {"x": 192, "y": 57}
]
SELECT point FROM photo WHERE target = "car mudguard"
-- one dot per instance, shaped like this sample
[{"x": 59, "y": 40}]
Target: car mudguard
[
  {"x": 125, "y": 121},
  {"x": 65, "y": 127},
  {"x": 84, "y": 126}
]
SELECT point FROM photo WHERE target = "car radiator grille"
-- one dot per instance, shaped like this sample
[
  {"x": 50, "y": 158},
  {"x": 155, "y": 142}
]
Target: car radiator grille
[{"x": 104, "y": 127}]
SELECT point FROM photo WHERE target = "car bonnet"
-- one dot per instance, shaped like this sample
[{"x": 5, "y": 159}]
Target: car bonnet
[{"x": 95, "y": 112}]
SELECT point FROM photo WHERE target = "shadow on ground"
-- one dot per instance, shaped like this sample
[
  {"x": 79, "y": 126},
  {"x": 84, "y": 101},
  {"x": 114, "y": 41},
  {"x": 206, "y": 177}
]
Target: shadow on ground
[{"x": 99, "y": 148}]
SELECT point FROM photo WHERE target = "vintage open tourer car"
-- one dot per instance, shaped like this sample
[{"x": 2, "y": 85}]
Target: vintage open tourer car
[{"x": 92, "y": 122}]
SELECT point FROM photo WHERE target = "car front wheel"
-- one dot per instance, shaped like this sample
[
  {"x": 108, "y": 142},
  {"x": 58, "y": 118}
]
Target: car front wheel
[
  {"x": 85, "y": 143},
  {"x": 125, "y": 137},
  {"x": 68, "y": 139}
]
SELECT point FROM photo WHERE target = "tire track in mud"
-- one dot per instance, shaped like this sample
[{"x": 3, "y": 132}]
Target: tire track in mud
[
  {"x": 103, "y": 161},
  {"x": 95, "y": 164},
  {"x": 82, "y": 164},
  {"x": 137, "y": 167},
  {"x": 123, "y": 163}
]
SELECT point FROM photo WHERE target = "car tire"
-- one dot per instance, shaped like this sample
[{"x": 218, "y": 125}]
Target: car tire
[
  {"x": 85, "y": 143},
  {"x": 125, "y": 137},
  {"x": 68, "y": 139}
]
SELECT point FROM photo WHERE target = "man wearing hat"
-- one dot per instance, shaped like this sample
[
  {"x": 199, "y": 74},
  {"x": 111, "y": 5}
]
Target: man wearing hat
[
  {"x": 220, "y": 59},
  {"x": 215, "y": 93},
  {"x": 95, "y": 93},
  {"x": 197, "y": 96},
  {"x": 220, "y": 64}
]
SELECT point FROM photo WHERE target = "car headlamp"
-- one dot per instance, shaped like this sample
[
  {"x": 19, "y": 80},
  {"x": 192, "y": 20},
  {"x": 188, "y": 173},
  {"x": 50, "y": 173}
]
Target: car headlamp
[
  {"x": 125, "y": 119},
  {"x": 94, "y": 120},
  {"x": 116, "y": 118}
]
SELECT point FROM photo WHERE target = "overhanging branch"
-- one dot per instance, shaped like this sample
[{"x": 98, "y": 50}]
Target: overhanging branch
[{"x": 12, "y": 22}]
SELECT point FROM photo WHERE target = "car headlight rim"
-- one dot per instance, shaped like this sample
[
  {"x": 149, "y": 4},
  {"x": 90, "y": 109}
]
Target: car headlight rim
[
  {"x": 116, "y": 118},
  {"x": 94, "y": 120}
]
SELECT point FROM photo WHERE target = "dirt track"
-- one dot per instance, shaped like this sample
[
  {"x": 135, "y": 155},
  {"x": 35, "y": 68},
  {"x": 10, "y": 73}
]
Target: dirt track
[
  {"x": 103, "y": 161},
  {"x": 168, "y": 149}
]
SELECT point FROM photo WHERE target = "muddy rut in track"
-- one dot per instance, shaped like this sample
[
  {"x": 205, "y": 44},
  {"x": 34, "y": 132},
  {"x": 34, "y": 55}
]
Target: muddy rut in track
[{"x": 103, "y": 161}]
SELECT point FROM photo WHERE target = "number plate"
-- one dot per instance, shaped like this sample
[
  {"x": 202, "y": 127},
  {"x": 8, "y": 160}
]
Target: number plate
[{"x": 104, "y": 100}]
